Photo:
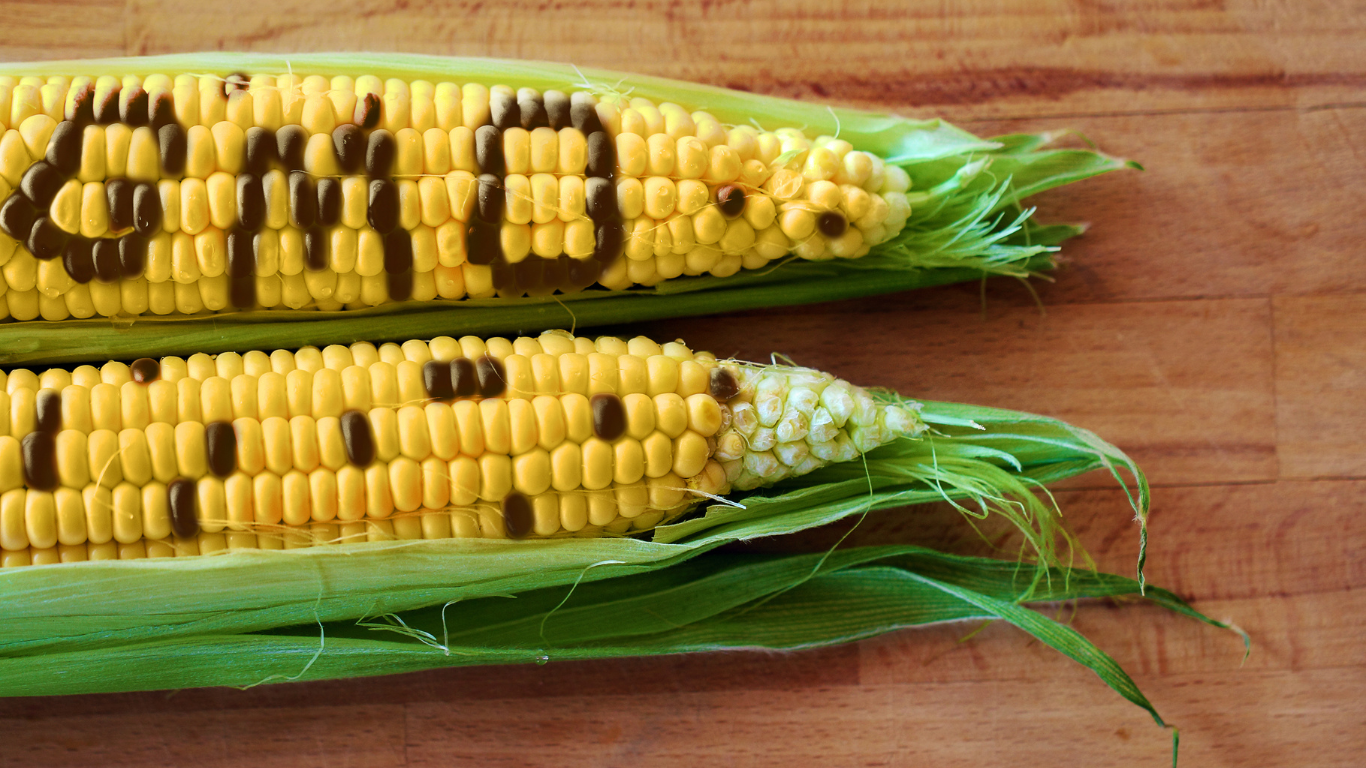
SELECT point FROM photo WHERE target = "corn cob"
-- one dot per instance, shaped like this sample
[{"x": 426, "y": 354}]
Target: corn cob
[
  {"x": 533, "y": 437},
  {"x": 190, "y": 193}
]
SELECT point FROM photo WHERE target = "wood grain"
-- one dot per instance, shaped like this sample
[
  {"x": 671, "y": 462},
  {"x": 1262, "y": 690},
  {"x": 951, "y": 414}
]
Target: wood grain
[{"x": 1210, "y": 323}]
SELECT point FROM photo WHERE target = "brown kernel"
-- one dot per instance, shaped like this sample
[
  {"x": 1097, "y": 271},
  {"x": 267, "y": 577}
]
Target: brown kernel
[
  {"x": 105, "y": 256},
  {"x": 107, "y": 111},
  {"x": 133, "y": 110},
  {"x": 492, "y": 378},
  {"x": 518, "y": 518},
  {"x": 290, "y": 142},
  {"x": 132, "y": 255},
  {"x": 360, "y": 444},
  {"x": 379, "y": 154},
  {"x": 119, "y": 193},
  {"x": 349, "y": 144},
  {"x": 382, "y": 212},
  {"x": 488, "y": 150},
  {"x": 237, "y": 81},
  {"x": 831, "y": 224},
  {"x": 731, "y": 200},
  {"x": 367, "y": 111},
  {"x": 47, "y": 411},
  {"x": 329, "y": 201},
  {"x": 64, "y": 148},
  {"x": 147, "y": 208},
  {"x": 262, "y": 151},
  {"x": 436, "y": 379},
  {"x": 17, "y": 216},
  {"x": 81, "y": 109},
  {"x": 220, "y": 446},
  {"x": 78, "y": 260},
  {"x": 180, "y": 498},
  {"x": 464, "y": 378},
  {"x": 40, "y": 183},
  {"x": 46, "y": 240},
  {"x": 723, "y": 384},
  {"x": 609, "y": 416},
  {"x": 171, "y": 142},
  {"x": 39, "y": 451},
  {"x": 145, "y": 370}
]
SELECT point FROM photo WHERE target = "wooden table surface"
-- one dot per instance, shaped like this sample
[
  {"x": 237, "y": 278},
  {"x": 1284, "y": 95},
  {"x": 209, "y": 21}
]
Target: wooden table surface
[{"x": 1210, "y": 323}]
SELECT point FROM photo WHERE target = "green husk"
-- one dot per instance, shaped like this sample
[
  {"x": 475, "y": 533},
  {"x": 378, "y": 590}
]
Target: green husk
[
  {"x": 986, "y": 460},
  {"x": 967, "y": 222}
]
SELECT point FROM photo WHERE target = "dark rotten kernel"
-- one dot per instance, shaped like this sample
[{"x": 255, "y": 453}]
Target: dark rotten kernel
[
  {"x": 315, "y": 249},
  {"x": 489, "y": 205},
  {"x": 349, "y": 144},
  {"x": 360, "y": 444},
  {"x": 483, "y": 244},
  {"x": 831, "y": 224},
  {"x": 39, "y": 451},
  {"x": 290, "y": 142},
  {"x": 329, "y": 202},
  {"x": 723, "y": 385},
  {"x": 40, "y": 183},
  {"x": 263, "y": 151},
  {"x": 379, "y": 154},
  {"x": 145, "y": 370},
  {"x": 146, "y": 209},
  {"x": 731, "y": 200},
  {"x": 46, "y": 240},
  {"x": 162, "y": 111},
  {"x": 180, "y": 495},
  {"x": 47, "y": 411},
  {"x": 464, "y": 379},
  {"x": 251, "y": 202},
  {"x": 237, "y": 81},
  {"x": 582, "y": 273},
  {"x": 133, "y": 107},
  {"x": 609, "y": 416},
  {"x": 398, "y": 252},
  {"x": 492, "y": 378},
  {"x": 400, "y": 285},
  {"x": 488, "y": 150},
  {"x": 242, "y": 292},
  {"x": 584, "y": 116},
  {"x": 530, "y": 272},
  {"x": 382, "y": 212},
  {"x": 602, "y": 161},
  {"x": 241, "y": 256},
  {"x": 107, "y": 109},
  {"x": 367, "y": 111},
  {"x": 518, "y": 519},
  {"x": 220, "y": 446},
  {"x": 303, "y": 200},
  {"x": 609, "y": 240},
  {"x": 132, "y": 255},
  {"x": 504, "y": 276},
  {"x": 504, "y": 112},
  {"x": 119, "y": 192},
  {"x": 556, "y": 109},
  {"x": 601, "y": 199},
  {"x": 555, "y": 274},
  {"x": 533, "y": 109},
  {"x": 80, "y": 106},
  {"x": 436, "y": 380},
  {"x": 64, "y": 148},
  {"x": 171, "y": 142},
  {"x": 16, "y": 217},
  {"x": 105, "y": 254},
  {"x": 78, "y": 260}
]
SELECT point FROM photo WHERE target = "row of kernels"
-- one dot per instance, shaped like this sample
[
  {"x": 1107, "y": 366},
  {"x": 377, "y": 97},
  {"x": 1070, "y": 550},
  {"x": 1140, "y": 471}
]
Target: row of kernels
[
  {"x": 229, "y": 365},
  {"x": 685, "y": 158},
  {"x": 123, "y": 513},
  {"x": 323, "y": 290}
]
